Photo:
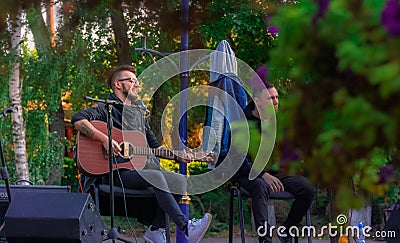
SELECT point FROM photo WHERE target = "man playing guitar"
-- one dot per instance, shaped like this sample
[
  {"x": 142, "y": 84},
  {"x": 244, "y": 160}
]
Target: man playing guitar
[{"x": 125, "y": 85}]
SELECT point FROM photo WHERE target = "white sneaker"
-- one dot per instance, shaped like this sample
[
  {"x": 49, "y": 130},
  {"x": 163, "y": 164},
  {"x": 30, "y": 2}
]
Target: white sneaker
[
  {"x": 155, "y": 236},
  {"x": 198, "y": 227}
]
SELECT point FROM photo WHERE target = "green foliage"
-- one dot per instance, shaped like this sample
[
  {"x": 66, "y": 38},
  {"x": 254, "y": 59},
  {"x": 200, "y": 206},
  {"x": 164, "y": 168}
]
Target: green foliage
[
  {"x": 41, "y": 152},
  {"x": 215, "y": 202},
  {"x": 70, "y": 174},
  {"x": 341, "y": 111},
  {"x": 194, "y": 168},
  {"x": 6, "y": 138},
  {"x": 169, "y": 165},
  {"x": 49, "y": 75},
  {"x": 242, "y": 23},
  {"x": 6, "y": 141}
]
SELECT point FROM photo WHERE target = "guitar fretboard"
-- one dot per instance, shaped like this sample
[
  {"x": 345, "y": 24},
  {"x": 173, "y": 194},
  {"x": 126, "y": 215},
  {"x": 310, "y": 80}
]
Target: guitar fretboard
[{"x": 163, "y": 153}]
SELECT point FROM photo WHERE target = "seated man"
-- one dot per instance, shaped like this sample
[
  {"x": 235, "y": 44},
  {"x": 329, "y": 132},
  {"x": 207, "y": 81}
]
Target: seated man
[
  {"x": 271, "y": 181},
  {"x": 125, "y": 85}
]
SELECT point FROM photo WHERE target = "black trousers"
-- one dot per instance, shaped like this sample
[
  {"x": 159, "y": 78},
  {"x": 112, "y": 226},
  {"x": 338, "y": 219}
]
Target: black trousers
[
  {"x": 163, "y": 184},
  {"x": 299, "y": 186}
]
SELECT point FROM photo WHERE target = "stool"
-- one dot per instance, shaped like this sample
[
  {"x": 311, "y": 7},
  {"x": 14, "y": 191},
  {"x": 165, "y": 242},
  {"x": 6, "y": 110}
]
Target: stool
[
  {"x": 241, "y": 193},
  {"x": 101, "y": 196}
]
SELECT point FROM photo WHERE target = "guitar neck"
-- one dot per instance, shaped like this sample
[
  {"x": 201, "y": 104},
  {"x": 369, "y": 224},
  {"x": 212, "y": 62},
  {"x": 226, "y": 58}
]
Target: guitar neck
[
  {"x": 164, "y": 153},
  {"x": 159, "y": 152}
]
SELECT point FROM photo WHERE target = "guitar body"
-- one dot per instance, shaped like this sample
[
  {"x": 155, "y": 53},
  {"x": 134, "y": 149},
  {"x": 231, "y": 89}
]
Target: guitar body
[{"x": 93, "y": 160}]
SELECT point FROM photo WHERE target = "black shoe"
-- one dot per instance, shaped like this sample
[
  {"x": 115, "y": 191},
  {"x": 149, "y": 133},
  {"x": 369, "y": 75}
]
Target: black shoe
[
  {"x": 286, "y": 239},
  {"x": 265, "y": 239}
]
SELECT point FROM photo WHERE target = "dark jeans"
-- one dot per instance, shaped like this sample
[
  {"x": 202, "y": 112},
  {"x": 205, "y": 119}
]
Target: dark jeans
[
  {"x": 167, "y": 202},
  {"x": 300, "y": 187}
]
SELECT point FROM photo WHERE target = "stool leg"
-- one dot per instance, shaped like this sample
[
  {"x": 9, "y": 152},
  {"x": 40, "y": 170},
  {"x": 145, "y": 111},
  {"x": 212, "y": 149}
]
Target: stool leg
[
  {"x": 231, "y": 215},
  {"x": 96, "y": 198},
  {"x": 241, "y": 218},
  {"x": 167, "y": 233},
  {"x": 308, "y": 222}
]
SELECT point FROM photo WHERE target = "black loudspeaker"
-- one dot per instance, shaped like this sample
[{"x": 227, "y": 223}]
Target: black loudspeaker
[
  {"x": 53, "y": 217},
  {"x": 392, "y": 227},
  {"x": 25, "y": 188}
]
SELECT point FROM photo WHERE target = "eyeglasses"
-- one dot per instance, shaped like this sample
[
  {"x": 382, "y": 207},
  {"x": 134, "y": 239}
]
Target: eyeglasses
[{"x": 132, "y": 80}]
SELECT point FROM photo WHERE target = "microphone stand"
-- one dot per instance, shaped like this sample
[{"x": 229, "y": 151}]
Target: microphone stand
[{"x": 113, "y": 232}]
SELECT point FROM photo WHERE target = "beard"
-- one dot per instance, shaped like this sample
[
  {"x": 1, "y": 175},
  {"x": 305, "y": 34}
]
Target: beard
[{"x": 130, "y": 95}]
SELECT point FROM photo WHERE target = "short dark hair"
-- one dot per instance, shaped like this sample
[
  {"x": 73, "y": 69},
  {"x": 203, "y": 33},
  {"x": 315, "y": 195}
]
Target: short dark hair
[
  {"x": 113, "y": 72},
  {"x": 259, "y": 81},
  {"x": 258, "y": 90}
]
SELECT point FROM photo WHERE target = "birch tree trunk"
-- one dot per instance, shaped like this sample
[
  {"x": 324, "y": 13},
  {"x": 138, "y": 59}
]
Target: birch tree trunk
[{"x": 17, "y": 118}]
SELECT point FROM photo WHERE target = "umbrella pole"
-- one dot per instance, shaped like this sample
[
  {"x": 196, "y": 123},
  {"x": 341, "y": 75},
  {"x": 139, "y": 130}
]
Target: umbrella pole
[{"x": 184, "y": 77}]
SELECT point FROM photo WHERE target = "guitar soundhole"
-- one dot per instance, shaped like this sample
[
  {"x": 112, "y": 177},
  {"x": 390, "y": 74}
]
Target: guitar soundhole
[{"x": 127, "y": 150}]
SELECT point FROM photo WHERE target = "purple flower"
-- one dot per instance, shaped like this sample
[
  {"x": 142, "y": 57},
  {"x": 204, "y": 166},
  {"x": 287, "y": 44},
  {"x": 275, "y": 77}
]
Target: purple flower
[
  {"x": 390, "y": 17},
  {"x": 322, "y": 7},
  {"x": 273, "y": 30},
  {"x": 289, "y": 153},
  {"x": 259, "y": 78},
  {"x": 386, "y": 173},
  {"x": 268, "y": 19}
]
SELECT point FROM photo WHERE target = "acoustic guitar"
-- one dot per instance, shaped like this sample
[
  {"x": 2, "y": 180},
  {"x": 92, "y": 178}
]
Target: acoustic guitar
[{"x": 92, "y": 157}]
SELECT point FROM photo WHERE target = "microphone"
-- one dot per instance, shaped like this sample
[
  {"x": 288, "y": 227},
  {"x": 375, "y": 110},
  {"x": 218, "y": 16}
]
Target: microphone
[{"x": 107, "y": 101}]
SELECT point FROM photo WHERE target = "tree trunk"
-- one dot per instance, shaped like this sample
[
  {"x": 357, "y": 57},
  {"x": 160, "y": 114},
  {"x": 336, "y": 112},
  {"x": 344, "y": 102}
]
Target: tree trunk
[
  {"x": 159, "y": 102},
  {"x": 161, "y": 96},
  {"x": 66, "y": 30},
  {"x": 120, "y": 33},
  {"x": 17, "y": 118},
  {"x": 41, "y": 34},
  {"x": 50, "y": 21},
  {"x": 57, "y": 131}
]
